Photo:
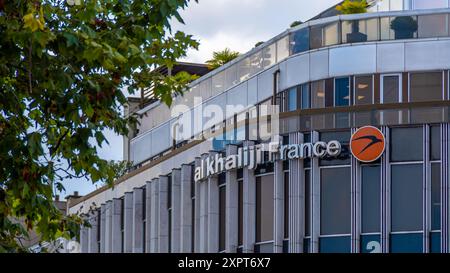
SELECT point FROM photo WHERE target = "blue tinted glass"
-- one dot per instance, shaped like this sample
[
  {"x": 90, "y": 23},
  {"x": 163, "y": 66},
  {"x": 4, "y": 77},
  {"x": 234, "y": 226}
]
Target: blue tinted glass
[
  {"x": 285, "y": 246},
  {"x": 406, "y": 197},
  {"x": 305, "y": 97},
  {"x": 435, "y": 196},
  {"x": 435, "y": 242},
  {"x": 342, "y": 87},
  {"x": 371, "y": 192},
  {"x": 300, "y": 40},
  {"x": 306, "y": 243},
  {"x": 292, "y": 99},
  {"x": 335, "y": 245},
  {"x": 407, "y": 243},
  {"x": 370, "y": 243}
]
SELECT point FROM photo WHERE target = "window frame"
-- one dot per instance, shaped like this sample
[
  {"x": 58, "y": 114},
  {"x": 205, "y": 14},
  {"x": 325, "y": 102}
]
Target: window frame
[
  {"x": 334, "y": 91},
  {"x": 373, "y": 91},
  {"x": 400, "y": 86},
  {"x": 425, "y": 72},
  {"x": 256, "y": 203}
]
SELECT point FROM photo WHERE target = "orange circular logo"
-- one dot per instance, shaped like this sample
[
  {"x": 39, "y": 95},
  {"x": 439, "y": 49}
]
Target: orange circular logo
[{"x": 367, "y": 144}]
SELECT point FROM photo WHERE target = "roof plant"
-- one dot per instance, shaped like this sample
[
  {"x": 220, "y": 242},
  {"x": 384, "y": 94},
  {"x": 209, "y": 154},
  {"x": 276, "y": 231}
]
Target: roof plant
[
  {"x": 221, "y": 57},
  {"x": 355, "y": 6}
]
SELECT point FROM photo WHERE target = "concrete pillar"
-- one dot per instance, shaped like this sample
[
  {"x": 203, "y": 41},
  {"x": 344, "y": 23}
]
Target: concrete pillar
[
  {"x": 213, "y": 214},
  {"x": 163, "y": 218},
  {"x": 154, "y": 217},
  {"x": 186, "y": 209},
  {"x": 93, "y": 232},
  {"x": 232, "y": 205},
  {"x": 203, "y": 222},
  {"x": 249, "y": 197},
  {"x": 128, "y": 222},
  {"x": 102, "y": 227},
  {"x": 84, "y": 239},
  {"x": 296, "y": 200},
  {"x": 278, "y": 206},
  {"x": 116, "y": 232},
  {"x": 315, "y": 199},
  {"x": 148, "y": 209},
  {"x": 176, "y": 211},
  {"x": 108, "y": 226},
  {"x": 197, "y": 211},
  {"x": 138, "y": 223}
]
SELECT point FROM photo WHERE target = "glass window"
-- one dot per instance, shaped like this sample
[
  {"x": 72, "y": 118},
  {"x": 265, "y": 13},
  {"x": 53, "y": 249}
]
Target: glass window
[
  {"x": 307, "y": 202},
  {"x": 406, "y": 144},
  {"x": 222, "y": 205},
  {"x": 363, "y": 90},
  {"x": 406, "y": 243},
  {"x": 359, "y": 31},
  {"x": 430, "y": 4},
  {"x": 435, "y": 25},
  {"x": 305, "y": 96},
  {"x": 335, "y": 193},
  {"x": 390, "y": 92},
  {"x": 300, "y": 41},
  {"x": 343, "y": 137},
  {"x": 403, "y": 27},
  {"x": 264, "y": 208},
  {"x": 370, "y": 198},
  {"x": 269, "y": 55},
  {"x": 435, "y": 196},
  {"x": 370, "y": 243},
  {"x": 340, "y": 244},
  {"x": 435, "y": 137},
  {"x": 243, "y": 70},
  {"x": 341, "y": 92},
  {"x": 282, "y": 48},
  {"x": 426, "y": 86},
  {"x": 435, "y": 242},
  {"x": 292, "y": 99},
  {"x": 315, "y": 37},
  {"x": 318, "y": 94},
  {"x": 406, "y": 197},
  {"x": 331, "y": 34},
  {"x": 396, "y": 5},
  {"x": 218, "y": 83}
]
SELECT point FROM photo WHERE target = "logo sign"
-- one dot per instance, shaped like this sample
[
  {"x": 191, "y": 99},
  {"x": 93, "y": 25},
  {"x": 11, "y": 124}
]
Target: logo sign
[{"x": 367, "y": 144}]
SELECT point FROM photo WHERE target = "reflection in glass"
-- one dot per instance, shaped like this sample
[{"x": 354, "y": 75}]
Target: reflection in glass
[
  {"x": 340, "y": 244},
  {"x": 335, "y": 200},
  {"x": 342, "y": 93},
  {"x": 359, "y": 31},
  {"x": 426, "y": 86},
  {"x": 269, "y": 56},
  {"x": 305, "y": 96},
  {"x": 406, "y": 197},
  {"x": 435, "y": 196},
  {"x": 300, "y": 41},
  {"x": 370, "y": 198},
  {"x": 404, "y": 27},
  {"x": 318, "y": 94},
  {"x": 406, "y": 243},
  {"x": 435, "y": 142},
  {"x": 390, "y": 89},
  {"x": 292, "y": 99},
  {"x": 282, "y": 48},
  {"x": 363, "y": 90},
  {"x": 330, "y": 34},
  {"x": 406, "y": 144},
  {"x": 435, "y": 25}
]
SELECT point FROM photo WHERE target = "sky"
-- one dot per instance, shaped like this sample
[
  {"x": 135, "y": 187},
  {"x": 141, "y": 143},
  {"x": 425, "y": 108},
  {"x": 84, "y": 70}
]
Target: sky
[{"x": 218, "y": 24}]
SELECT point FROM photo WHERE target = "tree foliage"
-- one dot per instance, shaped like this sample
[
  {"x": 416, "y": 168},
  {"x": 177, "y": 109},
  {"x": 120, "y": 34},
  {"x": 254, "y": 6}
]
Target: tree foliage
[
  {"x": 221, "y": 57},
  {"x": 63, "y": 68},
  {"x": 355, "y": 6}
]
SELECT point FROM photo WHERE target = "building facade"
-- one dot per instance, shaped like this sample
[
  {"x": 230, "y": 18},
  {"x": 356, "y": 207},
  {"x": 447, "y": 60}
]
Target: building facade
[{"x": 330, "y": 76}]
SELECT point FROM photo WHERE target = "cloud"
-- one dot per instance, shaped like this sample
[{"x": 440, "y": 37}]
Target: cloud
[{"x": 240, "y": 24}]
